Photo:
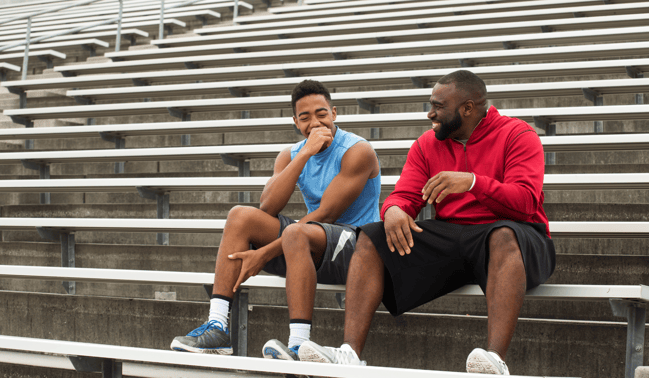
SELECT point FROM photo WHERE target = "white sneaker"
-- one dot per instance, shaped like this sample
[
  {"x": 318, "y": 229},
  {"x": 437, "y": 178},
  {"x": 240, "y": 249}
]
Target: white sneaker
[
  {"x": 345, "y": 355},
  {"x": 481, "y": 361}
]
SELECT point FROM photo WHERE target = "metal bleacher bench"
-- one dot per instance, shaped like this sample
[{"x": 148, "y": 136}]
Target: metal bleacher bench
[
  {"x": 372, "y": 98},
  {"x": 47, "y": 56},
  {"x": 626, "y": 300},
  {"x": 635, "y": 67},
  {"x": 344, "y": 4},
  {"x": 357, "y": 45},
  {"x": 464, "y": 59},
  {"x": 391, "y": 11},
  {"x": 127, "y": 23},
  {"x": 439, "y": 21},
  {"x": 117, "y": 361},
  {"x": 530, "y": 115},
  {"x": 409, "y": 30}
]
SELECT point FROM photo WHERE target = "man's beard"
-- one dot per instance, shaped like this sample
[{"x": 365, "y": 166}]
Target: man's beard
[{"x": 447, "y": 128}]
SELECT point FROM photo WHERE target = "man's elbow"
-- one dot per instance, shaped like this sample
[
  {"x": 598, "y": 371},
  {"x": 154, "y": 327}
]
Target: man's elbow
[{"x": 268, "y": 208}]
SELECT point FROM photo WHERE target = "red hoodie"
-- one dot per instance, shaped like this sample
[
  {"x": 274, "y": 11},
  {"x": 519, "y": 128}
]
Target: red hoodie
[{"x": 505, "y": 155}]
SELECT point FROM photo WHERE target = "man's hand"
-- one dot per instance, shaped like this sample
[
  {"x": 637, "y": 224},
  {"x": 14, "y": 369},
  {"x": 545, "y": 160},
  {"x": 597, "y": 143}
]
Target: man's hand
[
  {"x": 252, "y": 263},
  {"x": 445, "y": 183},
  {"x": 319, "y": 137},
  {"x": 397, "y": 229}
]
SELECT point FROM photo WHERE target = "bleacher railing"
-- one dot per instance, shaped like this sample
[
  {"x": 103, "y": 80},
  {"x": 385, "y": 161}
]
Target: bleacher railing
[
  {"x": 29, "y": 17},
  {"x": 190, "y": 2}
]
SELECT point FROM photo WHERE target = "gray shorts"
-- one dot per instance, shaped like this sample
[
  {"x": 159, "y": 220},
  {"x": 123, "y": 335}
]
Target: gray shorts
[{"x": 341, "y": 241}]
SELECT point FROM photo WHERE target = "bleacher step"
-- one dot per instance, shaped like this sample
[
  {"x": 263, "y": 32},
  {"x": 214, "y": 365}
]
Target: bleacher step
[{"x": 439, "y": 342}]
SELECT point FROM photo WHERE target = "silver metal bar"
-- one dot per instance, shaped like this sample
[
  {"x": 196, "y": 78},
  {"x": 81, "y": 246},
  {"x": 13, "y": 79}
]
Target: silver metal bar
[
  {"x": 26, "y": 58},
  {"x": 161, "y": 30},
  {"x": 190, "y": 2},
  {"x": 58, "y": 34},
  {"x": 235, "y": 12},
  {"x": 118, "y": 39},
  {"x": 48, "y": 11}
]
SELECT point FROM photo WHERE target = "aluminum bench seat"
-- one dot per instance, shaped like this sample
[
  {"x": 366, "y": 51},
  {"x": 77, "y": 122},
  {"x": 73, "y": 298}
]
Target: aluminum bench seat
[
  {"x": 109, "y": 35},
  {"x": 572, "y": 88},
  {"x": 397, "y": 147},
  {"x": 41, "y": 54},
  {"x": 364, "y": 45},
  {"x": 152, "y": 12},
  {"x": 4, "y": 66},
  {"x": 638, "y": 293},
  {"x": 427, "y": 76},
  {"x": 307, "y": 7},
  {"x": 392, "y": 9},
  {"x": 449, "y": 20},
  {"x": 400, "y": 31},
  {"x": 602, "y": 142},
  {"x": 562, "y": 114},
  {"x": 130, "y": 9},
  {"x": 145, "y": 362},
  {"x": 133, "y": 23},
  {"x": 610, "y": 181},
  {"x": 74, "y": 44},
  {"x": 465, "y": 59},
  {"x": 180, "y": 13},
  {"x": 613, "y": 230}
]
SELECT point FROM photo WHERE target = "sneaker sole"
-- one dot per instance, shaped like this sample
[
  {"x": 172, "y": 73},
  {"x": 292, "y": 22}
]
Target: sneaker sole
[
  {"x": 477, "y": 363},
  {"x": 178, "y": 346},
  {"x": 308, "y": 353},
  {"x": 276, "y": 354}
]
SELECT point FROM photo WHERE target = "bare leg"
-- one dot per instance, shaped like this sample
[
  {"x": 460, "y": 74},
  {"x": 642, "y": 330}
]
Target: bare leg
[
  {"x": 302, "y": 244},
  {"x": 364, "y": 292},
  {"x": 506, "y": 285},
  {"x": 244, "y": 225}
]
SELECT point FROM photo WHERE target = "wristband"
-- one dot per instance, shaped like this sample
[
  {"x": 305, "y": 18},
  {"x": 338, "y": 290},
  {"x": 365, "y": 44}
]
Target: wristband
[{"x": 473, "y": 183}]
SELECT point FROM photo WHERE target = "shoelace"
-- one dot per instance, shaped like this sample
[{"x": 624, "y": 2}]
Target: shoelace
[
  {"x": 206, "y": 326},
  {"x": 343, "y": 357}
]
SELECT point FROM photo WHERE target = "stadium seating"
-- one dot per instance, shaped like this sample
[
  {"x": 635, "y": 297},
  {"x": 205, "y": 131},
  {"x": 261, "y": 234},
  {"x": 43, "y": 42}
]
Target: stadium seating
[{"x": 565, "y": 67}]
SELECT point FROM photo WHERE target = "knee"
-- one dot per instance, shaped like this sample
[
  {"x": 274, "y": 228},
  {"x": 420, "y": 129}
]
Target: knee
[
  {"x": 240, "y": 216},
  {"x": 292, "y": 234},
  {"x": 503, "y": 245}
]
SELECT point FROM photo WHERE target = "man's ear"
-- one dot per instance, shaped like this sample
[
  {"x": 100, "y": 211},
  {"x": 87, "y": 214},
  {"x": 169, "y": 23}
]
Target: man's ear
[
  {"x": 333, "y": 112},
  {"x": 469, "y": 108}
]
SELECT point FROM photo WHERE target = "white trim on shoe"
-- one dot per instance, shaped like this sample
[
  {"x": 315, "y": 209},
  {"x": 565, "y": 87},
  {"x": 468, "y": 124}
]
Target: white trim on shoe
[
  {"x": 345, "y": 355},
  {"x": 483, "y": 362}
]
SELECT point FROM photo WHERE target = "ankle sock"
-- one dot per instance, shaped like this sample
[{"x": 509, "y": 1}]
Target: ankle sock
[
  {"x": 220, "y": 308},
  {"x": 300, "y": 332}
]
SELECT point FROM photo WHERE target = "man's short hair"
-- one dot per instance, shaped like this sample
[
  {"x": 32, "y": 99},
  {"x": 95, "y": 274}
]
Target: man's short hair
[
  {"x": 467, "y": 82},
  {"x": 309, "y": 87}
]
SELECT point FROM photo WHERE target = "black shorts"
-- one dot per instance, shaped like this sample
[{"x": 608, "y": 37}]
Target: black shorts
[
  {"x": 447, "y": 256},
  {"x": 341, "y": 241}
]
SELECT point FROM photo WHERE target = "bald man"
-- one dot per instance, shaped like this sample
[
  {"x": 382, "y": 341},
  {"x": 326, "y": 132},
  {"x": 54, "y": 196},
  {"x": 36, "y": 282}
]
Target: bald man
[{"x": 483, "y": 172}]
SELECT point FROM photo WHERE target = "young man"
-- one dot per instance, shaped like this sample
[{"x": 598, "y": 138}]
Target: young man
[
  {"x": 483, "y": 172},
  {"x": 338, "y": 174}
]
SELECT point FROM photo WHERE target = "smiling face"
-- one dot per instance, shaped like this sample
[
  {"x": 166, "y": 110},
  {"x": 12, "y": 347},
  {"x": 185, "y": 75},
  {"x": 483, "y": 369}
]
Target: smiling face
[
  {"x": 314, "y": 111},
  {"x": 445, "y": 111}
]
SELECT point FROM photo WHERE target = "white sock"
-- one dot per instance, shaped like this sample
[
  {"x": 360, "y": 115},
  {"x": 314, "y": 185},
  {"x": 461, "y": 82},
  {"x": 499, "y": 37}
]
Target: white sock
[
  {"x": 219, "y": 309},
  {"x": 300, "y": 332}
]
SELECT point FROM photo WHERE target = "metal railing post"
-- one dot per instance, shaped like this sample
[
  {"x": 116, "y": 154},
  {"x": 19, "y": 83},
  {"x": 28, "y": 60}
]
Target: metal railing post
[
  {"x": 161, "y": 30},
  {"x": 26, "y": 58},
  {"x": 118, "y": 39},
  {"x": 235, "y": 12}
]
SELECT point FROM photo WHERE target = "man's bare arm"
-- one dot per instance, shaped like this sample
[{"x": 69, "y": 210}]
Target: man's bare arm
[
  {"x": 357, "y": 166},
  {"x": 287, "y": 171}
]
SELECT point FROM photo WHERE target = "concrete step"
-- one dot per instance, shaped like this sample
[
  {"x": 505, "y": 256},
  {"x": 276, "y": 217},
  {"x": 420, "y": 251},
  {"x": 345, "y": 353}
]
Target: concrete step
[{"x": 421, "y": 341}]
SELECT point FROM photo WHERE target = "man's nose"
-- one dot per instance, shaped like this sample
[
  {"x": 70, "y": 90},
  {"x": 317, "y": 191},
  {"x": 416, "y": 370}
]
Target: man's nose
[{"x": 431, "y": 113}]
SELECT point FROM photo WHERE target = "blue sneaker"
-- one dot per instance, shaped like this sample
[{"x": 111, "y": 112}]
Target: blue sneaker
[
  {"x": 276, "y": 350},
  {"x": 212, "y": 337}
]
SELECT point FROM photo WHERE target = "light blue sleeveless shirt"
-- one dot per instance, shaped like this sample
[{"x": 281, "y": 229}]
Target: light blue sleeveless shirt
[{"x": 321, "y": 168}]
